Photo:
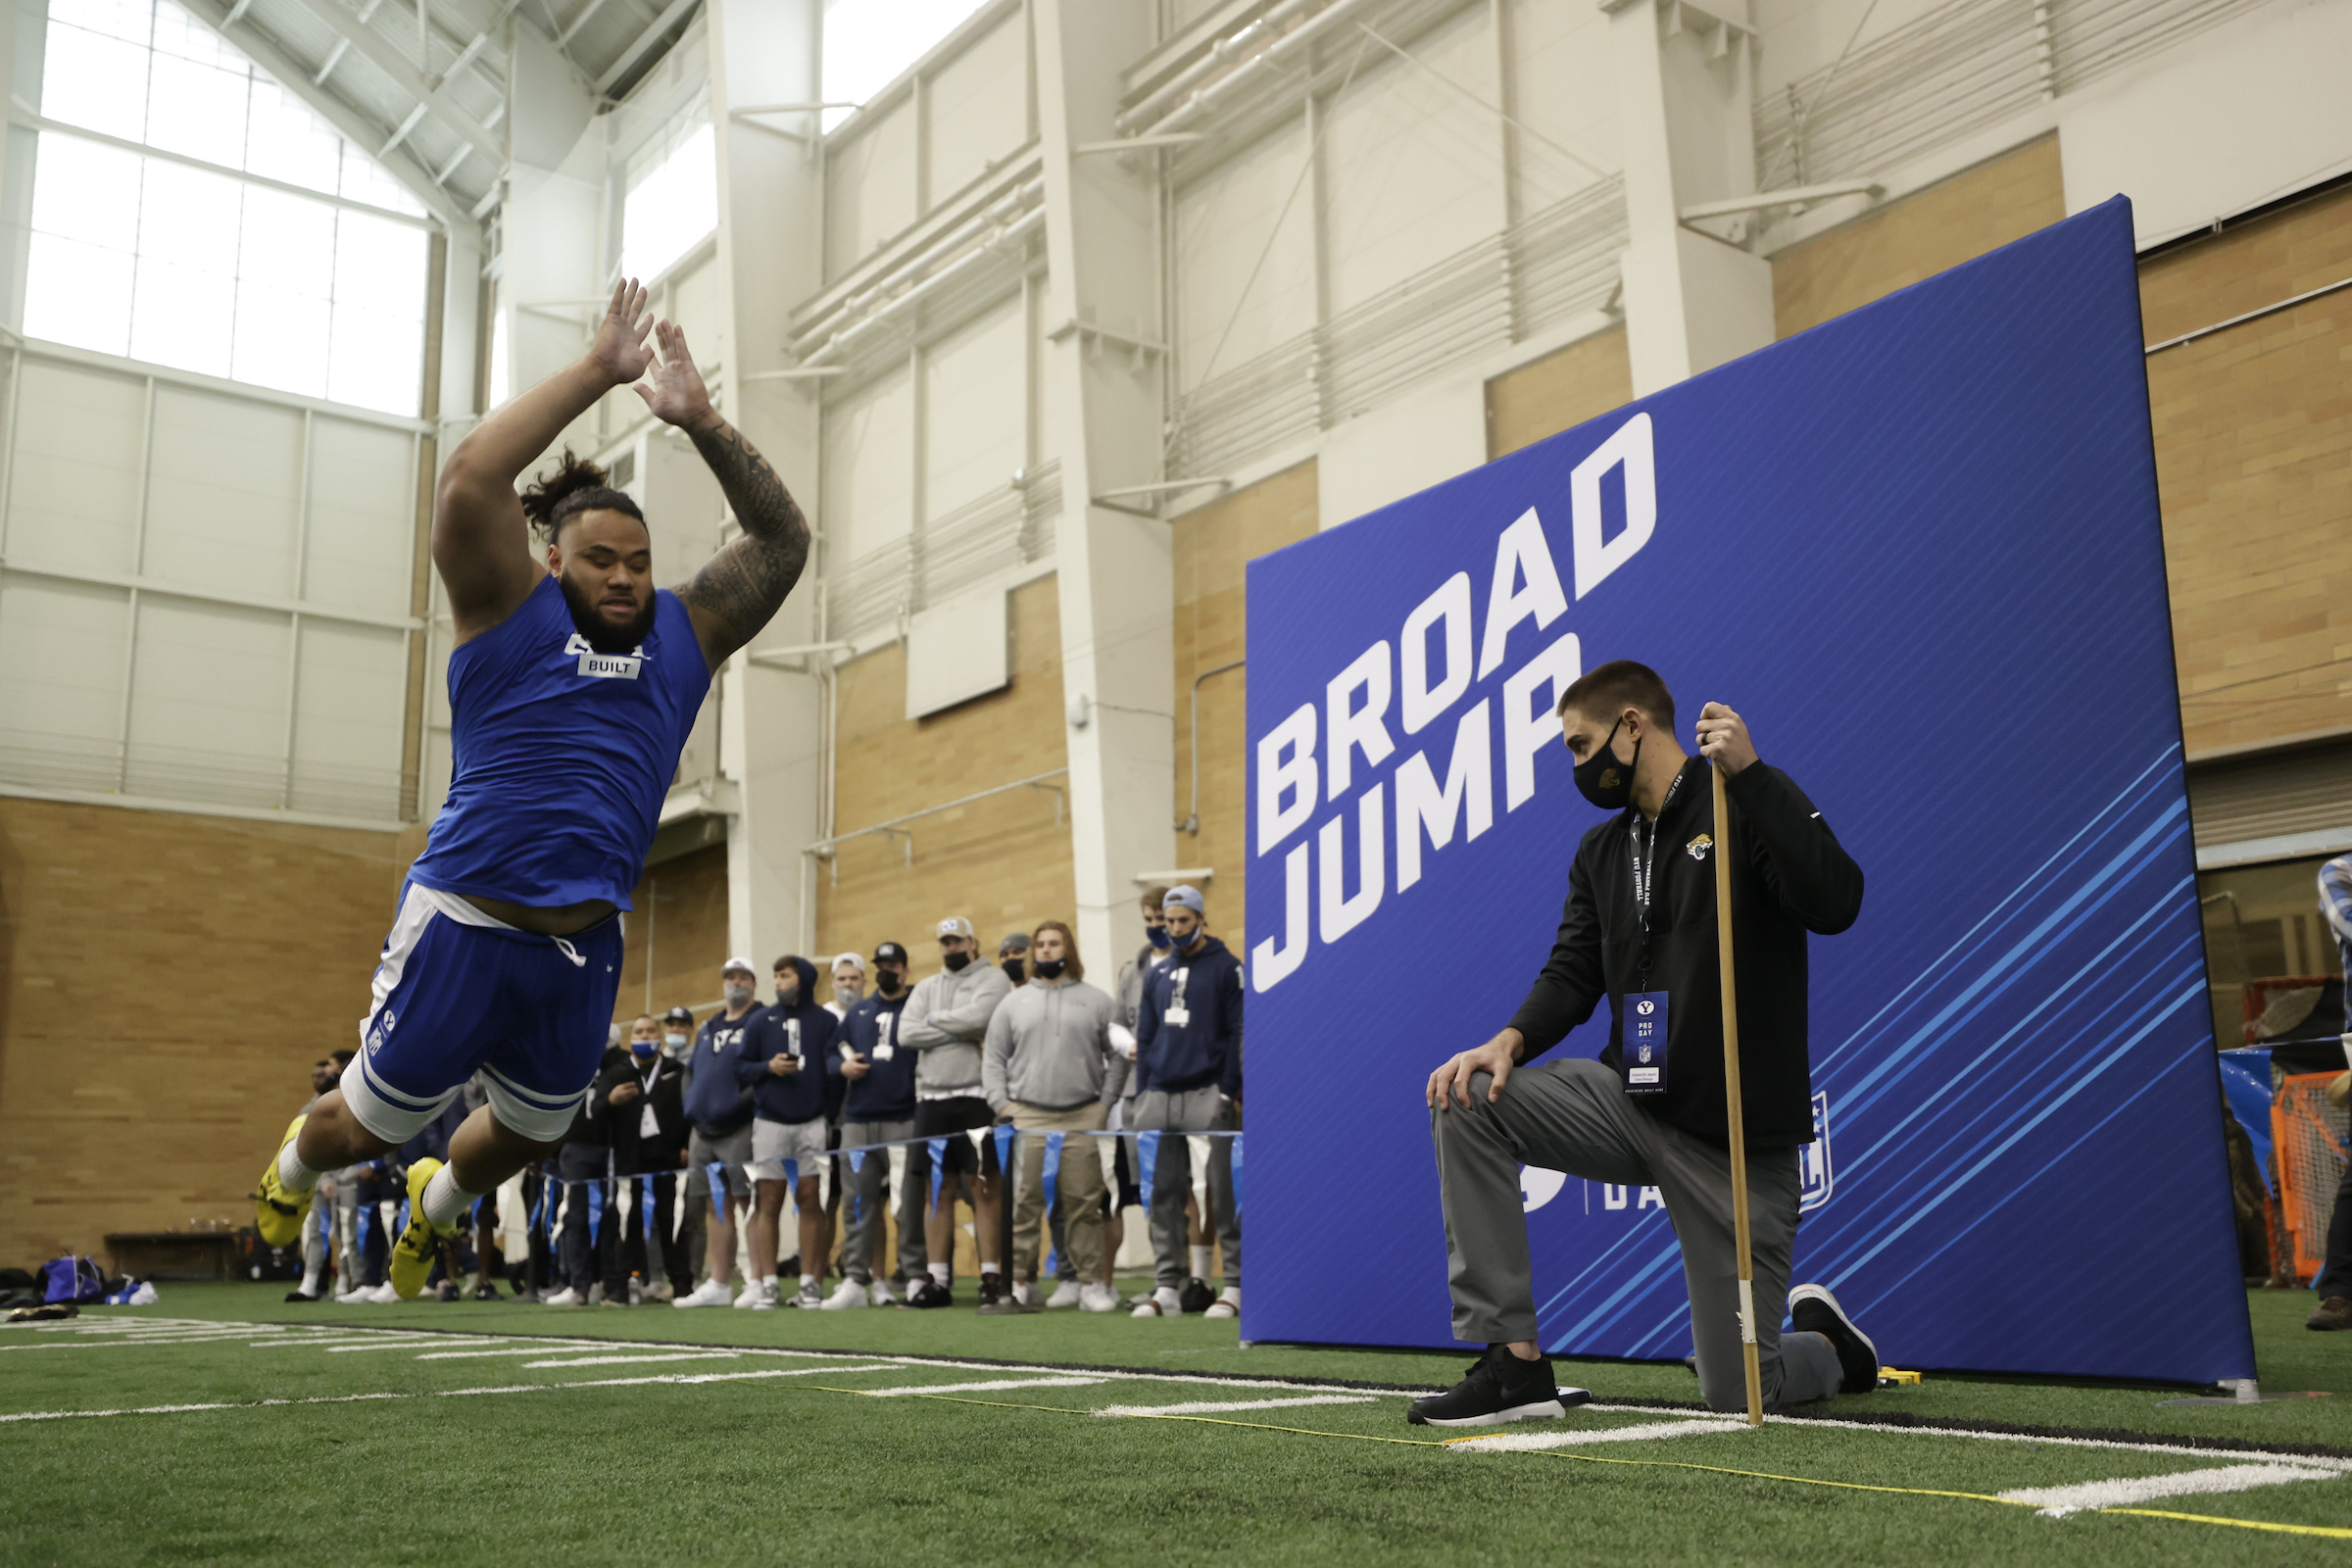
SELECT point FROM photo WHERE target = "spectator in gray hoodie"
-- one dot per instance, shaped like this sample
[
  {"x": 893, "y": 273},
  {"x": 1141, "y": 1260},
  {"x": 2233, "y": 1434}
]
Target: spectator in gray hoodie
[
  {"x": 945, "y": 1019},
  {"x": 1048, "y": 1062}
]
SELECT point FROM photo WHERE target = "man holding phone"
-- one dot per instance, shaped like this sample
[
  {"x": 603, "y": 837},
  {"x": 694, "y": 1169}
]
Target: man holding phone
[{"x": 879, "y": 1109}]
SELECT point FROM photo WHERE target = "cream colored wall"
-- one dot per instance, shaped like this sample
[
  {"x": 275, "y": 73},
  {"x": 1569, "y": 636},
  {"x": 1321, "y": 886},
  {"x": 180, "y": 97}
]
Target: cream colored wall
[{"x": 1558, "y": 392}]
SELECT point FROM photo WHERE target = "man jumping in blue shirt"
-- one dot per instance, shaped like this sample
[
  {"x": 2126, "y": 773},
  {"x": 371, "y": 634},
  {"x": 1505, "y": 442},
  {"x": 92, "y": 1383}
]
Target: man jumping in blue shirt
[{"x": 573, "y": 689}]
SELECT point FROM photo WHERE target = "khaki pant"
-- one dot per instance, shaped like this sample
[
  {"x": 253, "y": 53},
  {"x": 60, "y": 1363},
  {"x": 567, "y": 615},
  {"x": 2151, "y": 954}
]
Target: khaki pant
[{"x": 1078, "y": 1188}]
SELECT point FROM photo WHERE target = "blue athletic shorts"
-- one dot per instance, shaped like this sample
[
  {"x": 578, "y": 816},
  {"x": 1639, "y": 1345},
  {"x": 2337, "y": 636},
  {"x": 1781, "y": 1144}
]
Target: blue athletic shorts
[{"x": 456, "y": 993}]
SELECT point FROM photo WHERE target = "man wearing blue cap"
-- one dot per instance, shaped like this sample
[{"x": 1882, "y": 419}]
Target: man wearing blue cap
[{"x": 1188, "y": 1063}]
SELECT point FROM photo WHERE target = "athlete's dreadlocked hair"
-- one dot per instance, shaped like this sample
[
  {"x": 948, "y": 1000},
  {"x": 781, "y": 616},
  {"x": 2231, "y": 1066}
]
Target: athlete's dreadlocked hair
[{"x": 576, "y": 486}]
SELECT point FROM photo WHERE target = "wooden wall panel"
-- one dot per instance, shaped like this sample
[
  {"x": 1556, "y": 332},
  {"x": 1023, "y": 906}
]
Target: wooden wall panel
[
  {"x": 2254, "y": 461},
  {"x": 166, "y": 982},
  {"x": 1211, "y": 549},
  {"x": 1919, "y": 236},
  {"x": 1558, "y": 392},
  {"x": 1003, "y": 863},
  {"x": 679, "y": 926}
]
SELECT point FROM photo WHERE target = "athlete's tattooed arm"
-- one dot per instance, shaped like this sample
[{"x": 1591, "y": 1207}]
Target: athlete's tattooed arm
[{"x": 741, "y": 587}]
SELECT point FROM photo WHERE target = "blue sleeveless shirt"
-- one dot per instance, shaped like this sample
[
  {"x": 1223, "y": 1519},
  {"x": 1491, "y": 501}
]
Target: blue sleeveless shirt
[{"x": 563, "y": 754}]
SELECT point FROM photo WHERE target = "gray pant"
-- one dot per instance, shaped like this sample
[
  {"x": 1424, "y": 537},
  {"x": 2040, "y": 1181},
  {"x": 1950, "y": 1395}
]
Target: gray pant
[
  {"x": 861, "y": 1200},
  {"x": 1574, "y": 1117},
  {"x": 1191, "y": 1110}
]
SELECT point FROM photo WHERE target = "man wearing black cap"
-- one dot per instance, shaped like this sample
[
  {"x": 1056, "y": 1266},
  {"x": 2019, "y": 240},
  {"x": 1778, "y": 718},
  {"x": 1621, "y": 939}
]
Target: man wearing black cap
[
  {"x": 879, "y": 1073},
  {"x": 642, "y": 1100}
]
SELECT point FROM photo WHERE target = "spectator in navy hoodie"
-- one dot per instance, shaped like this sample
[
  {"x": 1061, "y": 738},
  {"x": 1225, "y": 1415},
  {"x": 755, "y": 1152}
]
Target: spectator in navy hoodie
[
  {"x": 718, "y": 1110},
  {"x": 1188, "y": 1063},
  {"x": 879, "y": 1075},
  {"x": 783, "y": 1064}
]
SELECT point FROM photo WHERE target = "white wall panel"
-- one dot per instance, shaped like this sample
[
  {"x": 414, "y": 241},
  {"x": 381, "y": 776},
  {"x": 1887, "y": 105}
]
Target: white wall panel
[
  {"x": 74, "y": 492},
  {"x": 62, "y": 645},
  {"x": 975, "y": 394},
  {"x": 979, "y": 110},
  {"x": 207, "y": 701},
  {"x": 869, "y": 478},
  {"x": 346, "y": 757},
  {"x": 870, "y": 188},
  {"x": 1230, "y": 224},
  {"x": 224, "y": 492},
  {"x": 684, "y": 507},
  {"x": 699, "y": 303},
  {"x": 1415, "y": 169},
  {"x": 1564, "y": 91},
  {"x": 362, "y": 527}
]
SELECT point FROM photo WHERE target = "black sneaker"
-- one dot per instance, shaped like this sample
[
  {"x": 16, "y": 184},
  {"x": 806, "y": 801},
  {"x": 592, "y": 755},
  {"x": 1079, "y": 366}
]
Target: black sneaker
[
  {"x": 992, "y": 1292},
  {"x": 297, "y": 1295},
  {"x": 1196, "y": 1297},
  {"x": 930, "y": 1293},
  {"x": 1500, "y": 1388},
  {"x": 485, "y": 1292},
  {"x": 1812, "y": 1309}
]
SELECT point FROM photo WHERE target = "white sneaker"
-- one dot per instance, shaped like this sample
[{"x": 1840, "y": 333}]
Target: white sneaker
[
  {"x": 811, "y": 1296},
  {"x": 1025, "y": 1293},
  {"x": 384, "y": 1295},
  {"x": 710, "y": 1292},
  {"x": 846, "y": 1295},
  {"x": 754, "y": 1295},
  {"x": 356, "y": 1296},
  {"x": 1161, "y": 1302},
  {"x": 878, "y": 1294},
  {"x": 567, "y": 1296},
  {"x": 664, "y": 1292},
  {"x": 1095, "y": 1299},
  {"x": 1227, "y": 1305},
  {"x": 1067, "y": 1294}
]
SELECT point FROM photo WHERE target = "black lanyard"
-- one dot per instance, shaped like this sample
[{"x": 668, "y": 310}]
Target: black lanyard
[{"x": 1645, "y": 869}]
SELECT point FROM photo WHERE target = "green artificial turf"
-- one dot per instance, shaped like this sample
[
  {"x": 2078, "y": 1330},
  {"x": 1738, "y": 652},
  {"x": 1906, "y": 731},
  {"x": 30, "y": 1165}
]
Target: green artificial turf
[{"x": 398, "y": 1458}]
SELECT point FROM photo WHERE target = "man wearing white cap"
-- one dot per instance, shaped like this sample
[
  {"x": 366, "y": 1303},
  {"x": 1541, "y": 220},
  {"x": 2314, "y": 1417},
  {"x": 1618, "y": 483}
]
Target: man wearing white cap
[
  {"x": 718, "y": 1109},
  {"x": 849, "y": 984},
  {"x": 945, "y": 1019}
]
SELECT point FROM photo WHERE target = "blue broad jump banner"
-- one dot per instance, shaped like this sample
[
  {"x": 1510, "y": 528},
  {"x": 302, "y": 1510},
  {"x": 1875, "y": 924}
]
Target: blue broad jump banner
[{"x": 1917, "y": 548}]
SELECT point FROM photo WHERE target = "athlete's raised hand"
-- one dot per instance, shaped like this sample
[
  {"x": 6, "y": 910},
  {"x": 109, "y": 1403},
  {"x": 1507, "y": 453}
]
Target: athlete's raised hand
[
  {"x": 620, "y": 349},
  {"x": 672, "y": 388}
]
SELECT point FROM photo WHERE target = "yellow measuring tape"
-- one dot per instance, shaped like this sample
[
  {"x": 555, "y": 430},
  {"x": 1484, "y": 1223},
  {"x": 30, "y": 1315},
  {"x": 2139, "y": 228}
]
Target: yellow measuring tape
[{"x": 2330, "y": 1532}]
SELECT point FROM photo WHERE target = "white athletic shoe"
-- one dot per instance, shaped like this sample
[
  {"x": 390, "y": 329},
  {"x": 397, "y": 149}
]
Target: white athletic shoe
[
  {"x": 1227, "y": 1305},
  {"x": 567, "y": 1296},
  {"x": 1095, "y": 1299},
  {"x": 710, "y": 1292},
  {"x": 754, "y": 1296},
  {"x": 1161, "y": 1302},
  {"x": 878, "y": 1294},
  {"x": 846, "y": 1295},
  {"x": 356, "y": 1296},
  {"x": 384, "y": 1295},
  {"x": 810, "y": 1298},
  {"x": 1067, "y": 1294},
  {"x": 1025, "y": 1293}
]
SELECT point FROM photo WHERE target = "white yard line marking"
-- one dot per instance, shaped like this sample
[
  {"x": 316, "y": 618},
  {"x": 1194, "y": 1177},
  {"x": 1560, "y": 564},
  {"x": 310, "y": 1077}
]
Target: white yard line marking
[
  {"x": 450, "y": 1394},
  {"x": 623, "y": 1360},
  {"x": 117, "y": 1344},
  {"x": 2058, "y": 1502},
  {"x": 990, "y": 1387},
  {"x": 1221, "y": 1407},
  {"x": 1577, "y": 1437}
]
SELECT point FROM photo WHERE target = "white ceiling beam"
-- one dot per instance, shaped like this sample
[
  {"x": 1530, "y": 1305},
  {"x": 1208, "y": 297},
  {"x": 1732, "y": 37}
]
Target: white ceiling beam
[
  {"x": 379, "y": 52},
  {"x": 642, "y": 44},
  {"x": 295, "y": 78}
]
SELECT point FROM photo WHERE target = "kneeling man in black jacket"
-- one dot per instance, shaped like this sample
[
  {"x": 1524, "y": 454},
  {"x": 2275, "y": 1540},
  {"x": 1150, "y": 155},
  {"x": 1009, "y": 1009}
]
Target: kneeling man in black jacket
[{"x": 1639, "y": 932}]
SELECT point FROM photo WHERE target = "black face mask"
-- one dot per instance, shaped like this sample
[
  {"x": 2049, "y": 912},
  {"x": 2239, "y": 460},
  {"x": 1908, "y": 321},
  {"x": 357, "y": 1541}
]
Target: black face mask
[
  {"x": 1605, "y": 781},
  {"x": 1051, "y": 968},
  {"x": 1012, "y": 970},
  {"x": 888, "y": 981},
  {"x": 787, "y": 995},
  {"x": 955, "y": 960}
]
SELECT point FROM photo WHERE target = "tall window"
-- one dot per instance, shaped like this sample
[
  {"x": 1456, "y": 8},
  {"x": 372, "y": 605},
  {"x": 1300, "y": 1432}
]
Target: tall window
[
  {"x": 201, "y": 270},
  {"x": 869, "y": 42},
  {"x": 671, "y": 193}
]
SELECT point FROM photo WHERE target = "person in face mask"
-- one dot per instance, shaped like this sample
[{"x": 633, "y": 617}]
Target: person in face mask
[
  {"x": 1129, "y": 994},
  {"x": 678, "y": 1033},
  {"x": 1012, "y": 956},
  {"x": 849, "y": 984},
  {"x": 720, "y": 1109},
  {"x": 945, "y": 1021},
  {"x": 1639, "y": 933},
  {"x": 877, "y": 1073},
  {"x": 642, "y": 1100}
]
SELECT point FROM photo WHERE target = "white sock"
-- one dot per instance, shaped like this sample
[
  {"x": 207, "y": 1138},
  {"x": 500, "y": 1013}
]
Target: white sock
[
  {"x": 1199, "y": 1262},
  {"x": 445, "y": 1200},
  {"x": 939, "y": 1272},
  {"x": 988, "y": 1268},
  {"x": 309, "y": 1280},
  {"x": 807, "y": 1281},
  {"x": 292, "y": 1174}
]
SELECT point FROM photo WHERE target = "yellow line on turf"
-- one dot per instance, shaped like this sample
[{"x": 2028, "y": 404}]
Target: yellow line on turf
[{"x": 2329, "y": 1531}]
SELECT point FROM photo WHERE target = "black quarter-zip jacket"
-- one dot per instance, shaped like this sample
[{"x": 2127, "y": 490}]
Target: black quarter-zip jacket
[{"x": 1790, "y": 875}]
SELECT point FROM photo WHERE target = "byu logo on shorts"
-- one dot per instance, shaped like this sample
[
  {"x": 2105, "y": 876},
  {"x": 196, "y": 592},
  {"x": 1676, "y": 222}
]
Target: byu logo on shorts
[{"x": 1813, "y": 1160}]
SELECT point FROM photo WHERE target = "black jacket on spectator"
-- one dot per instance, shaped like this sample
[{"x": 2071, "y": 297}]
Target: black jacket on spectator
[
  {"x": 886, "y": 1094},
  {"x": 1206, "y": 988},
  {"x": 805, "y": 1030},
  {"x": 588, "y": 1129},
  {"x": 1790, "y": 875},
  {"x": 633, "y": 1154}
]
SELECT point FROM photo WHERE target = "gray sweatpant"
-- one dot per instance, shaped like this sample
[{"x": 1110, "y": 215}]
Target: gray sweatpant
[
  {"x": 1574, "y": 1117},
  {"x": 1189, "y": 1111},
  {"x": 862, "y": 1201}
]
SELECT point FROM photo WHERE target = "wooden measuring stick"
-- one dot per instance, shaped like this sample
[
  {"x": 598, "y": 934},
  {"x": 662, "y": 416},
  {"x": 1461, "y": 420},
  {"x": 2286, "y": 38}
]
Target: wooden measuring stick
[{"x": 1732, "y": 1105}]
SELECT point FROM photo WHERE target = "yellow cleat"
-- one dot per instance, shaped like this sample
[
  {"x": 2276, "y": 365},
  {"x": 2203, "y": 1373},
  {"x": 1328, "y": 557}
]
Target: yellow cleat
[
  {"x": 278, "y": 1213},
  {"x": 421, "y": 1243}
]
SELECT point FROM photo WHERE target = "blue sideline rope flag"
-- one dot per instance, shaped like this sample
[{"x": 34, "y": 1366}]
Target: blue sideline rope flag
[
  {"x": 1051, "y": 1170},
  {"x": 596, "y": 1209},
  {"x": 1910, "y": 546},
  {"x": 1147, "y": 1150},
  {"x": 937, "y": 1149}
]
